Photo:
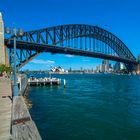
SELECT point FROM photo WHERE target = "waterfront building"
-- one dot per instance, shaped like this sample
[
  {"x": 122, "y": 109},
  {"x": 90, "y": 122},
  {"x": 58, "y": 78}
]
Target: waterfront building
[
  {"x": 100, "y": 68},
  {"x": 58, "y": 70},
  {"x": 110, "y": 68},
  {"x": 105, "y": 66},
  {"x": 81, "y": 69},
  {"x": 70, "y": 69},
  {"x": 117, "y": 67},
  {"x": 138, "y": 58},
  {"x": 97, "y": 68},
  {"x": 122, "y": 66},
  {"x": 106, "y": 62}
]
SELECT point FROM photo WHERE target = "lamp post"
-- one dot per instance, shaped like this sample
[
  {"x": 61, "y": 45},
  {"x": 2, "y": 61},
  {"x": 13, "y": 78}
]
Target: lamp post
[
  {"x": 15, "y": 33},
  {"x": 15, "y": 86}
]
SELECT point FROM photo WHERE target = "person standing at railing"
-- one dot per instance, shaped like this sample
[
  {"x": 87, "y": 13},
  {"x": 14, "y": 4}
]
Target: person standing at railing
[{"x": 4, "y": 74}]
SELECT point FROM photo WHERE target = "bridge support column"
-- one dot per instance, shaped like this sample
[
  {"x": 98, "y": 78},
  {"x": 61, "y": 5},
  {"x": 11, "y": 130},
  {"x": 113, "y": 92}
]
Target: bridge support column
[
  {"x": 138, "y": 69},
  {"x": 131, "y": 67},
  {"x": 138, "y": 65},
  {"x": 3, "y": 52}
]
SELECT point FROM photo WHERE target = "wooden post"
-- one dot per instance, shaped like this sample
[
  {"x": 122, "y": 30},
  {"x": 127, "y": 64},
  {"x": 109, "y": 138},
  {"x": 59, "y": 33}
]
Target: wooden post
[{"x": 64, "y": 83}]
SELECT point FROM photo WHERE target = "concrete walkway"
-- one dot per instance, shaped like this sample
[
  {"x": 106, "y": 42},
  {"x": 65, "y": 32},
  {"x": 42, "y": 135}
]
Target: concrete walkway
[{"x": 5, "y": 108}]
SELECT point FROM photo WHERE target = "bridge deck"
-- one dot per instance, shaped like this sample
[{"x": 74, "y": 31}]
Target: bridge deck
[{"x": 5, "y": 108}]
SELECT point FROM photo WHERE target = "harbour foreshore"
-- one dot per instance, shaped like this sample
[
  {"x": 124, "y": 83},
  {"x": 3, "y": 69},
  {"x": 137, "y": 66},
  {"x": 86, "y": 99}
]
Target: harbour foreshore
[{"x": 15, "y": 120}]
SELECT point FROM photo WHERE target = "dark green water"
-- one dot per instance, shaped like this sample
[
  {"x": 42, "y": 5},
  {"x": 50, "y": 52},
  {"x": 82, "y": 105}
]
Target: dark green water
[{"x": 92, "y": 107}]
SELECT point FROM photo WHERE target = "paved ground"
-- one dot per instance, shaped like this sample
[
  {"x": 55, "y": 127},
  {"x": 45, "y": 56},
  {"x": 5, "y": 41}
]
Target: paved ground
[{"x": 5, "y": 108}]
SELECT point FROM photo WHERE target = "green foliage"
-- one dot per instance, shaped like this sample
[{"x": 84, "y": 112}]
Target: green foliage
[{"x": 5, "y": 68}]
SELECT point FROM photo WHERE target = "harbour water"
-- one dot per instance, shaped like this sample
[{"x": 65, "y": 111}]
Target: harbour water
[{"x": 91, "y": 107}]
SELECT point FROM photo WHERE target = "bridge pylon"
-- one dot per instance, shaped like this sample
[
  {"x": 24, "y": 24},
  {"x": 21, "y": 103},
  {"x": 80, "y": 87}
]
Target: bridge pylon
[
  {"x": 138, "y": 66},
  {"x": 3, "y": 52}
]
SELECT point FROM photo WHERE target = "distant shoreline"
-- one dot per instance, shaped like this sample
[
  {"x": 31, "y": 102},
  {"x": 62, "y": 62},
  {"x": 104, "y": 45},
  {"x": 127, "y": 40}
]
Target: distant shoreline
[{"x": 61, "y": 73}]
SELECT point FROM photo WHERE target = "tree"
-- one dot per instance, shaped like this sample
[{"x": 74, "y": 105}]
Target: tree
[{"x": 5, "y": 68}]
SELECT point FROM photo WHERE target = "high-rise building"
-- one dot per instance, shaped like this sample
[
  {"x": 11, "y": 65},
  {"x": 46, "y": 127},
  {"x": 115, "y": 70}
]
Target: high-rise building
[
  {"x": 117, "y": 67},
  {"x": 70, "y": 69},
  {"x": 122, "y": 66},
  {"x": 97, "y": 68},
  {"x": 105, "y": 66},
  {"x": 139, "y": 58},
  {"x": 100, "y": 68}
]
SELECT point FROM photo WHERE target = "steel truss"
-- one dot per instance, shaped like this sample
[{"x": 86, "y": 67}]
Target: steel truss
[{"x": 76, "y": 39}]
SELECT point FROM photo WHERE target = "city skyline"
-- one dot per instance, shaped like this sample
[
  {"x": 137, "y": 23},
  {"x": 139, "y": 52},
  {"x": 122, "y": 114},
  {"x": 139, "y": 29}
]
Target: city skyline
[{"x": 123, "y": 23}]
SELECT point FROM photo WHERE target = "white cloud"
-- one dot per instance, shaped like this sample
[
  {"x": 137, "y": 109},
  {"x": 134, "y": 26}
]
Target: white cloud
[
  {"x": 39, "y": 61},
  {"x": 50, "y": 61},
  {"x": 69, "y": 55}
]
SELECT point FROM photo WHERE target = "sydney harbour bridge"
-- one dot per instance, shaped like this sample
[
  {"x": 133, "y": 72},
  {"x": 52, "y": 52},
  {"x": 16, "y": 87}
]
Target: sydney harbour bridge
[{"x": 74, "y": 39}]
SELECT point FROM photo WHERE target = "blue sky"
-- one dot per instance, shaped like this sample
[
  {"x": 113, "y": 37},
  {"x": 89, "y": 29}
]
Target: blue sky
[{"x": 122, "y": 18}]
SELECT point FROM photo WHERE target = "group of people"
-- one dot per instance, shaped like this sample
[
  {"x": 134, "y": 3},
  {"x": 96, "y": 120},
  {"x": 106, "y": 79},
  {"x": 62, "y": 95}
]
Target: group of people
[{"x": 4, "y": 74}]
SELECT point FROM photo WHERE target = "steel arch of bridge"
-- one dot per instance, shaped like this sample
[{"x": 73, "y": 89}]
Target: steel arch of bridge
[{"x": 75, "y": 39}]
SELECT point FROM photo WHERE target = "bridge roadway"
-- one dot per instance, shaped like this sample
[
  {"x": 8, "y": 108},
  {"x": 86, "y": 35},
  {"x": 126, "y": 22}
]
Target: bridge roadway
[{"x": 66, "y": 50}]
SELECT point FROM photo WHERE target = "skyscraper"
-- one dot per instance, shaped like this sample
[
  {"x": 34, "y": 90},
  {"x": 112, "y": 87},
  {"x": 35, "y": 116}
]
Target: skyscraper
[
  {"x": 122, "y": 66},
  {"x": 139, "y": 58},
  {"x": 105, "y": 66},
  {"x": 117, "y": 67}
]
